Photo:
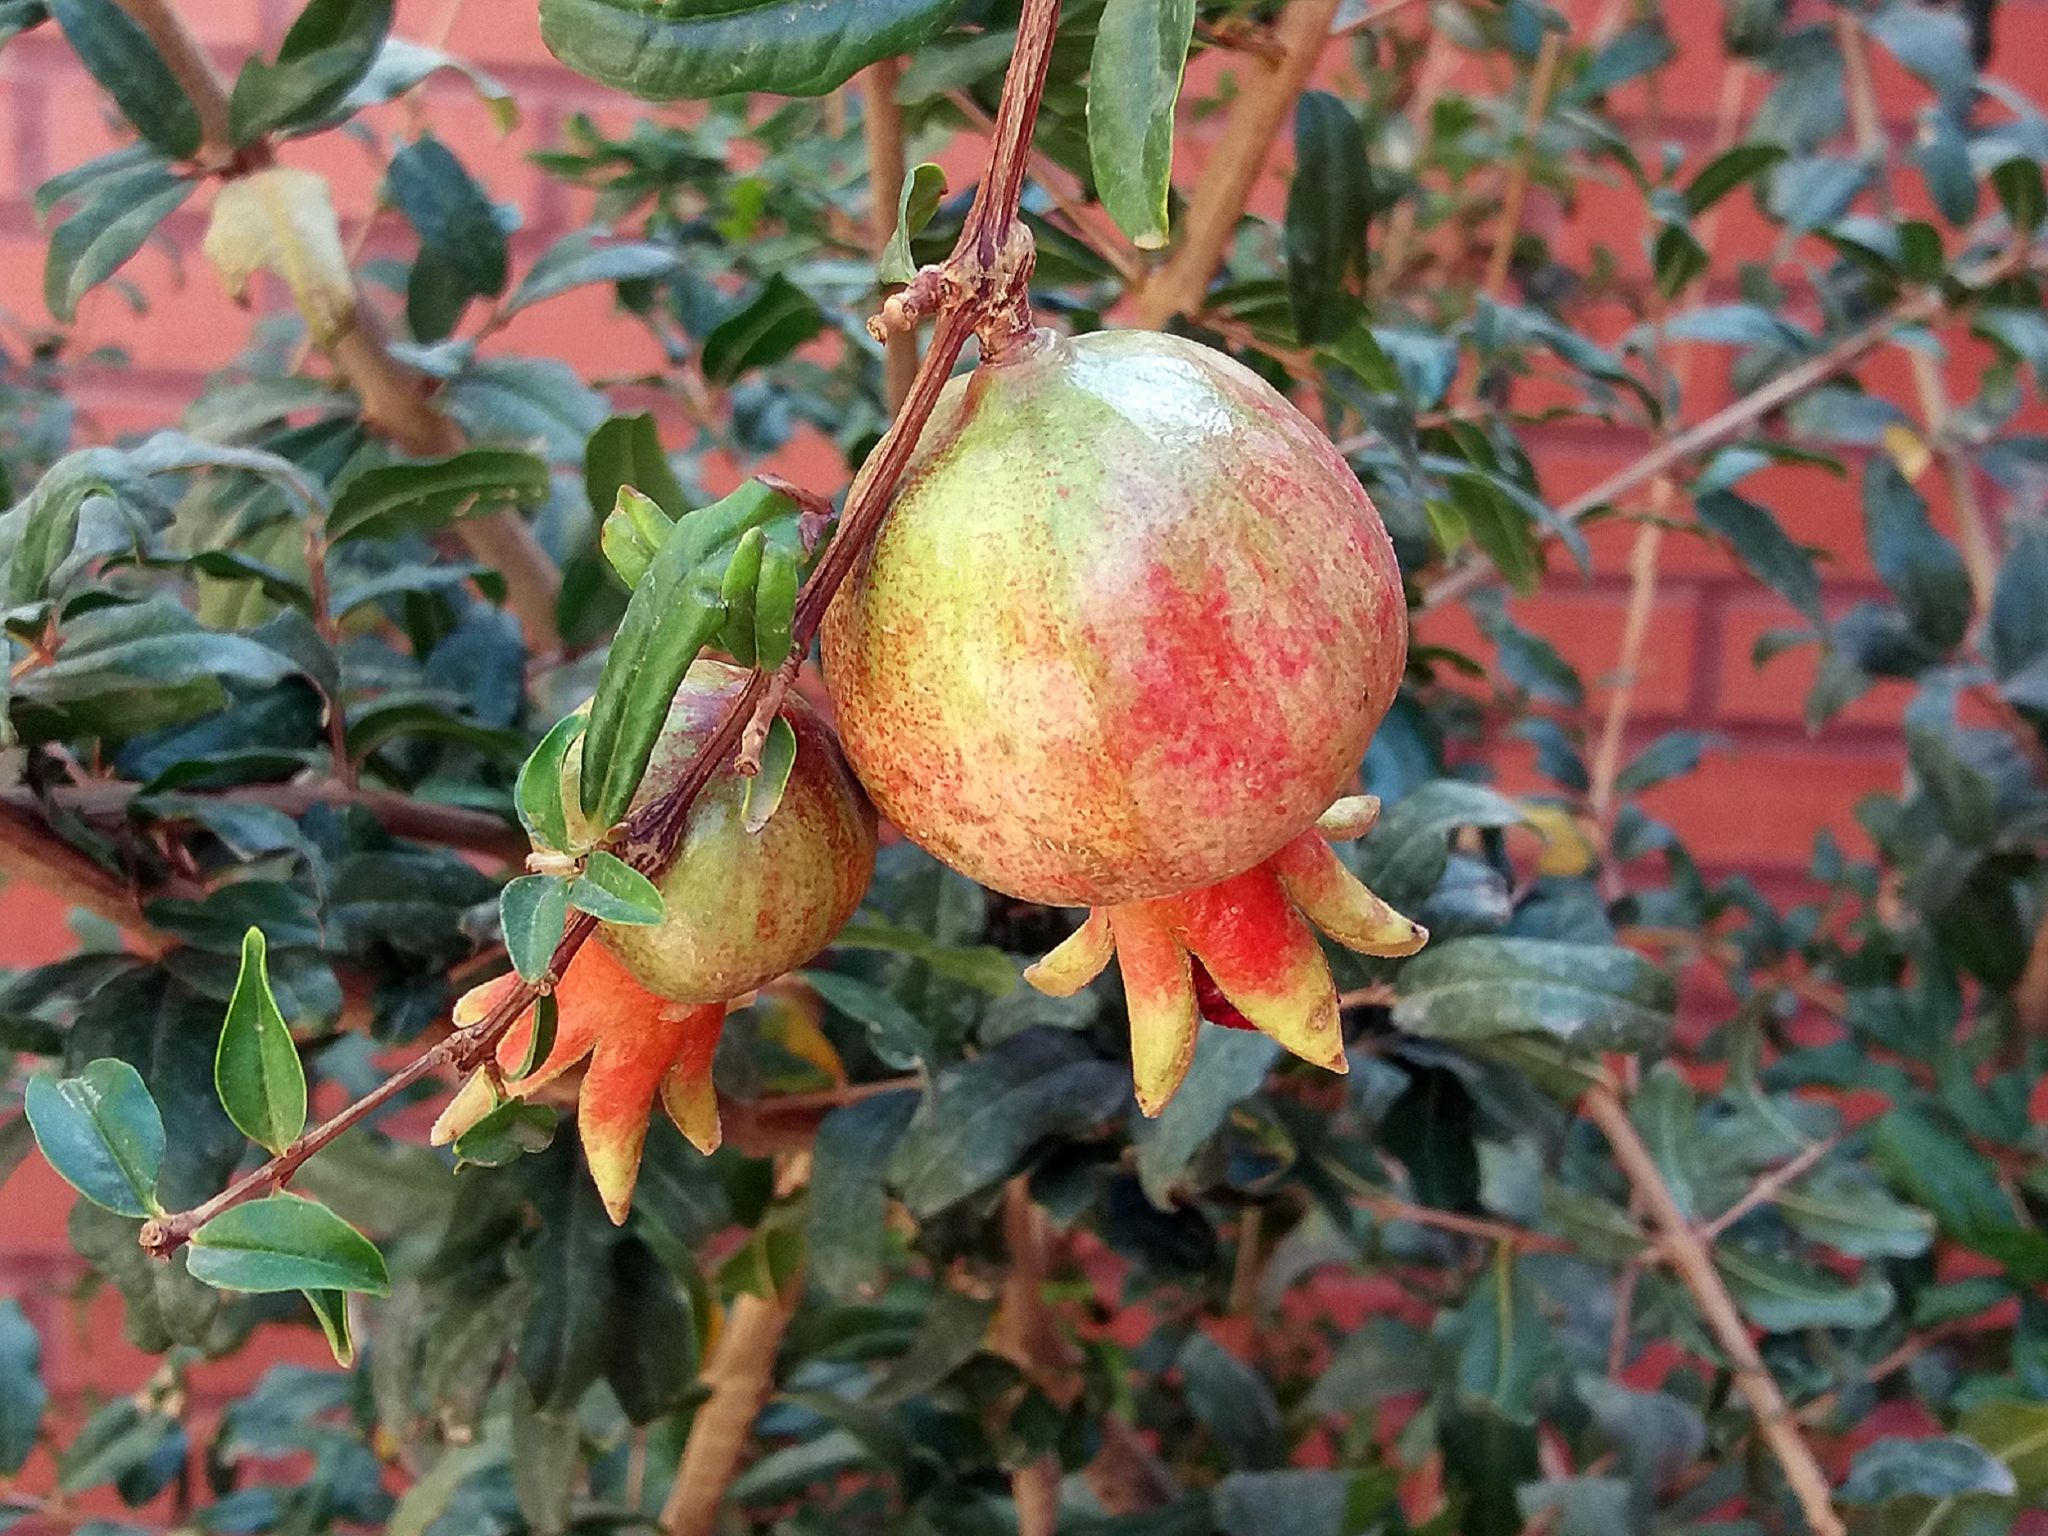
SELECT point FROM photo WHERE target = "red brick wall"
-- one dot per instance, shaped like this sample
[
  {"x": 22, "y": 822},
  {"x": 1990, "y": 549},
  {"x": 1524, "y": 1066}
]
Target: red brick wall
[{"x": 1756, "y": 806}]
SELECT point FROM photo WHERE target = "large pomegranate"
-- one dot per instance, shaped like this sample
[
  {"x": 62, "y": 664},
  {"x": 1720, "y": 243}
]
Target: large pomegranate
[
  {"x": 1122, "y": 640},
  {"x": 646, "y": 1004}
]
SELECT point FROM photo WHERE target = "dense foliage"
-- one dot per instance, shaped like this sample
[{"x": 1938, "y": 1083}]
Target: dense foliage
[{"x": 274, "y": 673}]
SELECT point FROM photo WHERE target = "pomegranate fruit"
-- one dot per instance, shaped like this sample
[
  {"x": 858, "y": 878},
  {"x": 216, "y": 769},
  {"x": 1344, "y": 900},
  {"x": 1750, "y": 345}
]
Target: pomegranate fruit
[
  {"x": 646, "y": 1004},
  {"x": 1120, "y": 644}
]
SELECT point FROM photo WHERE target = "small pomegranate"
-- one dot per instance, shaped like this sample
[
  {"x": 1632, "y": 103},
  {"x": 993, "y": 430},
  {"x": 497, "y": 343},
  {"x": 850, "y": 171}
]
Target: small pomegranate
[
  {"x": 1121, "y": 642},
  {"x": 646, "y": 1004}
]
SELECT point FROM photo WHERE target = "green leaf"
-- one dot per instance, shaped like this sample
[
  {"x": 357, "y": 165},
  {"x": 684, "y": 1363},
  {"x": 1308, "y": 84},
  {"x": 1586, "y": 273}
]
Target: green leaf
[
  {"x": 1946, "y": 1176},
  {"x": 1781, "y": 1296},
  {"x": 1938, "y": 1467},
  {"x": 120, "y": 55},
  {"x": 1504, "y": 533},
  {"x": 1299, "y": 1501},
  {"x": 633, "y": 533},
  {"x": 919, "y": 200},
  {"x": 1763, "y": 546},
  {"x": 1141, "y": 51},
  {"x": 1943, "y": 152},
  {"x": 580, "y": 258},
  {"x": 538, "y": 791},
  {"x": 326, "y": 52},
  {"x": 22, "y": 1394},
  {"x": 1850, "y": 1212},
  {"x": 948, "y": 1336},
  {"x": 674, "y": 612},
  {"x": 101, "y": 1131},
  {"x": 777, "y": 320},
  {"x": 533, "y": 910},
  {"x": 1406, "y": 855},
  {"x": 626, "y": 451},
  {"x": 985, "y": 1115},
  {"x": 1727, "y": 171},
  {"x": 515, "y": 1129},
  {"x": 2016, "y": 1433},
  {"x": 540, "y": 1040},
  {"x": 846, "y": 1234},
  {"x": 2018, "y": 185},
  {"x": 764, "y": 791},
  {"x": 562, "y": 1347},
  {"x": 1329, "y": 202},
  {"x": 330, "y": 1311},
  {"x": 1677, "y": 257},
  {"x": 898, "y": 1036},
  {"x": 1233, "y": 1402},
  {"x": 463, "y": 254},
  {"x": 1920, "y": 566},
  {"x": 1229, "y": 1066},
  {"x": 663, "y": 50},
  {"x": 775, "y": 594},
  {"x": 1589, "y": 996},
  {"x": 981, "y": 966},
  {"x": 613, "y": 891},
  {"x": 737, "y": 591},
  {"x": 394, "y": 499},
  {"x": 256, "y": 1068},
  {"x": 285, "y": 1243},
  {"x": 118, "y": 210},
  {"x": 1670, "y": 756}
]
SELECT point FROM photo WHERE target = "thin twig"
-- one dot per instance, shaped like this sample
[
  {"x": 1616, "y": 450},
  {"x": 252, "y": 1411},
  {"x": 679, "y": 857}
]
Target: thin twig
[
  {"x": 31, "y": 850},
  {"x": 1026, "y": 1333},
  {"x": 1770, "y": 1185},
  {"x": 1240, "y": 154},
  {"x": 1542, "y": 81},
  {"x": 882, "y": 129},
  {"x": 1743, "y": 414},
  {"x": 981, "y": 289},
  {"x": 740, "y": 1375},
  {"x": 1693, "y": 1259},
  {"x": 394, "y": 397},
  {"x": 402, "y": 815}
]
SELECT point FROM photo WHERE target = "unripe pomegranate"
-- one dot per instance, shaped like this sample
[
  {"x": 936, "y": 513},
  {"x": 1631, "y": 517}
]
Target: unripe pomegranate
[
  {"x": 646, "y": 1003},
  {"x": 1122, "y": 640}
]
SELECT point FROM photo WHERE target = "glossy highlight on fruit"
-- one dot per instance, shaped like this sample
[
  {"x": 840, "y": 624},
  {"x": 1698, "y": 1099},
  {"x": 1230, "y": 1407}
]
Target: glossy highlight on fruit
[
  {"x": 1120, "y": 644},
  {"x": 646, "y": 1005}
]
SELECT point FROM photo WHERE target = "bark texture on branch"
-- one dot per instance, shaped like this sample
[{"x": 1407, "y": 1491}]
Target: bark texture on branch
[
  {"x": 1693, "y": 1260},
  {"x": 396, "y": 399}
]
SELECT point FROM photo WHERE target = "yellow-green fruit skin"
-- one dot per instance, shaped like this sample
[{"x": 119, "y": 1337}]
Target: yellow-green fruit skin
[
  {"x": 1127, "y": 629},
  {"x": 741, "y": 908}
]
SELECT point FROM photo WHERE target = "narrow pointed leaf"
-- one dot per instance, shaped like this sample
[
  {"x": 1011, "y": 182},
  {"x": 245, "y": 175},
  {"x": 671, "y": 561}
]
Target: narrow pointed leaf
[
  {"x": 256, "y": 1068},
  {"x": 1141, "y": 50},
  {"x": 533, "y": 910}
]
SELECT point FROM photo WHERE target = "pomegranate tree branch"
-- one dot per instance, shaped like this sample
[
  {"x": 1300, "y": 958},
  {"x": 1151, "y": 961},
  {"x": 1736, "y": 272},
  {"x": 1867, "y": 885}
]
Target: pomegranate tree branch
[
  {"x": 402, "y": 815},
  {"x": 394, "y": 397},
  {"x": 979, "y": 289},
  {"x": 33, "y": 851},
  {"x": 1693, "y": 1260},
  {"x": 881, "y": 125},
  {"x": 1742, "y": 415},
  {"x": 1240, "y": 154}
]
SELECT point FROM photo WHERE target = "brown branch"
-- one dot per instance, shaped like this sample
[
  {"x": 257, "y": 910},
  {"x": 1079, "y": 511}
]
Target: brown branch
[
  {"x": 1027, "y": 1334},
  {"x": 400, "y": 814},
  {"x": 395, "y": 398},
  {"x": 1693, "y": 1259},
  {"x": 193, "y": 69},
  {"x": 1649, "y": 539},
  {"x": 1240, "y": 154},
  {"x": 1542, "y": 81},
  {"x": 882, "y": 128},
  {"x": 31, "y": 850},
  {"x": 741, "y": 1376},
  {"x": 980, "y": 290},
  {"x": 1741, "y": 415}
]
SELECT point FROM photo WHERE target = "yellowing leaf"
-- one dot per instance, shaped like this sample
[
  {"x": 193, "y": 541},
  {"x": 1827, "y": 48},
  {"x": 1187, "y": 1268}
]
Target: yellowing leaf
[
  {"x": 792, "y": 1016},
  {"x": 1567, "y": 848},
  {"x": 1907, "y": 451},
  {"x": 282, "y": 220}
]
